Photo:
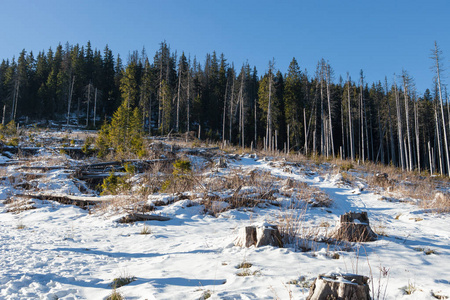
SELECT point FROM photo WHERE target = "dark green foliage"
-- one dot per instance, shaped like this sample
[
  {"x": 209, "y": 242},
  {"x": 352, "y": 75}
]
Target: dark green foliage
[
  {"x": 181, "y": 167},
  {"x": 115, "y": 184},
  {"x": 87, "y": 146},
  {"x": 174, "y": 94},
  {"x": 123, "y": 135},
  {"x": 181, "y": 179}
]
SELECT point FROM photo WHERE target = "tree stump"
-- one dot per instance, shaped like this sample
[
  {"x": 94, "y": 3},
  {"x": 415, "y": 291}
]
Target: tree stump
[
  {"x": 340, "y": 287},
  {"x": 354, "y": 227},
  {"x": 259, "y": 236}
]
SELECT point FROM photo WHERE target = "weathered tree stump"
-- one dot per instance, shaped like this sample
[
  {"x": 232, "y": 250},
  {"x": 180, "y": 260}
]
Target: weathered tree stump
[
  {"x": 354, "y": 227},
  {"x": 259, "y": 236},
  {"x": 340, "y": 287},
  {"x": 221, "y": 163}
]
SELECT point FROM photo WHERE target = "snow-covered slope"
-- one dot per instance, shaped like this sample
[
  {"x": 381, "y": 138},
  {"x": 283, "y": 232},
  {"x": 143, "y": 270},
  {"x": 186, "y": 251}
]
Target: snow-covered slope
[{"x": 63, "y": 252}]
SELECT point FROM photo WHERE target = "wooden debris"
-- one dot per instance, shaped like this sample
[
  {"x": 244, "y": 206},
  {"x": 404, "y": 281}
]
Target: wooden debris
[
  {"x": 83, "y": 202},
  {"x": 141, "y": 217}
]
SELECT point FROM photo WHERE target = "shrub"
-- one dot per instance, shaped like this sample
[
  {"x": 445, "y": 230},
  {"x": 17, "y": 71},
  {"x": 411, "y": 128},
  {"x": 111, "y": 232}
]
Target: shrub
[
  {"x": 115, "y": 295},
  {"x": 181, "y": 179},
  {"x": 86, "y": 148},
  {"x": 346, "y": 166},
  {"x": 114, "y": 184},
  {"x": 146, "y": 230}
]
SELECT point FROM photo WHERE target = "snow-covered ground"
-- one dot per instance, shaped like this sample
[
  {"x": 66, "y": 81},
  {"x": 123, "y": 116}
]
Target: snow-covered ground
[{"x": 61, "y": 251}]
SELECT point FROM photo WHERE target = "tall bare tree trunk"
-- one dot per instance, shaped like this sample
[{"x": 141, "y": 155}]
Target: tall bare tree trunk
[
  {"x": 95, "y": 105},
  {"x": 438, "y": 73},
  {"x": 15, "y": 98},
  {"x": 362, "y": 116},
  {"x": 416, "y": 123},
  {"x": 88, "y": 102},
  {"x": 405, "y": 87},
  {"x": 328, "y": 79},
  {"x": 352, "y": 151},
  {"x": 224, "y": 112},
  {"x": 306, "y": 131},
  {"x": 4, "y": 115},
  {"x": 256, "y": 124},
  {"x": 269, "y": 111},
  {"x": 241, "y": 97},
  {"x": 322, "y": 115},
  {"x": 70, "y": 99},
  {"x": 438, "y": 138},
  {"x": 399, "y": 127},
  {"x": 150, "y": 113},
  {"x": 188, "y": 94},
  {"x": 288, "y": 138},
  {"x": 180, "y": 73},
  {"x": 231, "y": 107},
  {"x": 160, "y": 100},
  {"x": 430, "y": 158}
]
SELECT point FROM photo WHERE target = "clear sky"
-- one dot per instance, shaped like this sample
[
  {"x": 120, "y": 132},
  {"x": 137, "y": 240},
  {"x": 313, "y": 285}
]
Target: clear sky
[{"x": 379, "y": 36}]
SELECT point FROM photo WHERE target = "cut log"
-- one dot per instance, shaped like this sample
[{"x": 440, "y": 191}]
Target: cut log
[
  {"x": 83, "y": 202},
  {"x": 141, "y": 217},
  {"x": 97, "y": 175},
  {"x": 354, "y": 227},
  {"x": 42, "y": 168},
  {"x": 141, "y": 165},
  {"x": 259, "y": 236},
  {"x": 340, "y": 286}
]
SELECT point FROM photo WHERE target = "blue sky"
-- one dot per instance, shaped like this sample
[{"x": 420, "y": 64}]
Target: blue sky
[{"x": 381, "y": 37}]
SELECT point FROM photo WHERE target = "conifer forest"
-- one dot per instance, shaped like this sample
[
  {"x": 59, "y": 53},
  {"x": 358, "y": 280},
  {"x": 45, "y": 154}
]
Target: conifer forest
[{"x": 314, "y": 112}]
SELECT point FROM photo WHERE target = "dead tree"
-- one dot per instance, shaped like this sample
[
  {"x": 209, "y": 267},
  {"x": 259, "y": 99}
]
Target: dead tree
[
  {"x": 416, "y": 129},
  {"x": 224, "y": 110},
  {"x": 241, "y": 109},
  {"x": 436, "y": 57},
  {"x": 406, "y": 82},
  {"x": 328, "y": 79},
  {"x": 180, "y": 73},
  {"x": 231, "y": 105},
  {"x": 269, "y": 110},
  {"x": 362, "y": 116},
  {"x": 399, "y": 126},
  {"x": 70, "y": 98},
  {"x": 352, "y": 151}
]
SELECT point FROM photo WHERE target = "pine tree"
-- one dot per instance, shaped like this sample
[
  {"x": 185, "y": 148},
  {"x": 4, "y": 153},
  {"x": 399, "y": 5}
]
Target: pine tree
[{"x": 293, "y": 102}]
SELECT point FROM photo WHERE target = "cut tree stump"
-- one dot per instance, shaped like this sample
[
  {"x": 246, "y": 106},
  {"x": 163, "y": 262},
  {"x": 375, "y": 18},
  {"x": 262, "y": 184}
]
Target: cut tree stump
[
  {"x": 340, "y": 287},
  {"x": 259, "y": 236},
  {"x": 354, "y": 227}
]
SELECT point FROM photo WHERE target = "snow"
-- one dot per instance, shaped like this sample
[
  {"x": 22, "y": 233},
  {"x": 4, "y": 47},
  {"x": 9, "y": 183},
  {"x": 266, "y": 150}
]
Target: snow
[{"x": 65, "y": 252}]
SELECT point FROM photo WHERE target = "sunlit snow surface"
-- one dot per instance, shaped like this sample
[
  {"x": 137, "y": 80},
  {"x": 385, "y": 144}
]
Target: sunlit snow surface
[{"x": 63, "y": 252}]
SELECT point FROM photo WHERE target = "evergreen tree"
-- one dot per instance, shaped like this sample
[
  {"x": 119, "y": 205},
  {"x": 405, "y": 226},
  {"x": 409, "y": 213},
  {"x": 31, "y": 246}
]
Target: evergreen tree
[{"x": 293, "y": 102}]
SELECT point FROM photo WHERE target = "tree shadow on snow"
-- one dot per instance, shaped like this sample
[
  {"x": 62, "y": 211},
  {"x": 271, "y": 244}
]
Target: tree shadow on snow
[
  {"x": 179, "y": 281},
  {"x": 129, "y": 255}
]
